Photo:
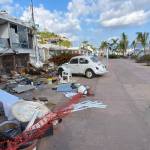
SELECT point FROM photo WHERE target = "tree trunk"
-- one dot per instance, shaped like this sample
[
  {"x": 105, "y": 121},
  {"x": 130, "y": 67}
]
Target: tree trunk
[{"x": 144, "y": 51}]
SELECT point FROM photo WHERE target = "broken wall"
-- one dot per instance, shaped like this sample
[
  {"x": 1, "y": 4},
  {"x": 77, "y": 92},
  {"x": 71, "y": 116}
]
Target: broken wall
[
  {"x": 4, "y": 35},
  {"x": 13, "y": 62}
]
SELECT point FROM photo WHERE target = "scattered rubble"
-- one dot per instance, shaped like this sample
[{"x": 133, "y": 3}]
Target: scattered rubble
[{"x": 39, "y": 112}]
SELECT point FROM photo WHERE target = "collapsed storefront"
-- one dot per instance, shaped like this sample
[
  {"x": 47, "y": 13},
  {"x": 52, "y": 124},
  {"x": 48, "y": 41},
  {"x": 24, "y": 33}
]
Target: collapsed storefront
[
  {"x": 13, "y": 62},
  {"x": 16, "y": 44}
]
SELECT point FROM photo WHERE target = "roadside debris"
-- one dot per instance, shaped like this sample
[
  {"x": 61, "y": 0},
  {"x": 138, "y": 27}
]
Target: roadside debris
[
  {"x": 9, "y": 129},
  {"x": 88, "y": 104},
  {"x": 40, "y": 113},
  {"x": 23, "y": 88},
  {"x": 35, "y": 131},
  {"x": 70, "y": 94},
  {"x": 70, "y": 89},
  {"x": 8, "y": 100},
  {"x": 24, "y": 110},
  {"x": 65, "y": 88}
]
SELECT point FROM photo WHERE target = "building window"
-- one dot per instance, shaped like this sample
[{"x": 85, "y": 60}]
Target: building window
[
  {"x": 14, "y": 37},
  {"x": 23, "y": 36}
]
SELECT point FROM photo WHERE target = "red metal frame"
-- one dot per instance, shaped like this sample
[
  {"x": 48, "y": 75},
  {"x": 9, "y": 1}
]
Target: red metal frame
[{"x": 41, "y": 126}]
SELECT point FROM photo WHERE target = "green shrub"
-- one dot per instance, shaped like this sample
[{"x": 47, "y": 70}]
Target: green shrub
[
  {"x": 114, "y": 56},
  {"x": 62, "y": 58},
  {"x": 143, "y": 59},
  {"x": 134, "y": 56}
]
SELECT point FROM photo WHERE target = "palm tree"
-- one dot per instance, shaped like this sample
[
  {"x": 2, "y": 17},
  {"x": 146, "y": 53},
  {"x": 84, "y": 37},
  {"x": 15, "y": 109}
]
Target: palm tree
[
  {"x": 143, "y": 39},
  {"x": 133, "y": 44},
  {"x": 123, "y": 43},
  {"x": 114, "y": 45},
  {"x": 121, "y": 47},
  {"x": 104, "y": 45},
  {"x": 84, "y": 44}
]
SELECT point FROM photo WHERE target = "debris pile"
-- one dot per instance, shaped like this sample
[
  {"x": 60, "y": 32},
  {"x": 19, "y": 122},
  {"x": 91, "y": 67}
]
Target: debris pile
[
  {"x": 35, "y": 131},
  {"x": 23, "y": 121}
]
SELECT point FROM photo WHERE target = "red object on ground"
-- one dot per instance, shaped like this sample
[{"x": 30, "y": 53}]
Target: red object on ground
[{"x": 40, "y": 127}]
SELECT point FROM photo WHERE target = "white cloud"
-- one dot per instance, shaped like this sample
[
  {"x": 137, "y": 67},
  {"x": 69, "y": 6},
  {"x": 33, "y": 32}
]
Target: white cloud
[
  {"x": 79, "y": 8},
  {"x": 137, "y": 17},
  {"x": 123, "y": 13},
  {"x": 5, "y": 1},
  {"x": 11, "y": 8},
  {"x": 55, "y": 21},
  {"x": 108, "y": 13},
  {"x": 66, "y": 23},
  {"x": 111, "y": 12}
]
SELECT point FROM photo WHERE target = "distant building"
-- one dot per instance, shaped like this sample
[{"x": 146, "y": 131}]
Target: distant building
[
  {"x": 87, "y": 50},
  {"x": 51, "y": 40},
  {"x": 16, "y": 43},
  {"x": 48, "y": 50}
]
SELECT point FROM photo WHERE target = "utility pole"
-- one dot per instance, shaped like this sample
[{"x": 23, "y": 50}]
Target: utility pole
[
  {"x": 35, "y": 35},
  {"x": 32, "y": 13}
]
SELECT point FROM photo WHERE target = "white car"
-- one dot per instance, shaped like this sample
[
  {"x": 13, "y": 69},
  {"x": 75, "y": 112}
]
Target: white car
[{"x": 86, "y": 65}]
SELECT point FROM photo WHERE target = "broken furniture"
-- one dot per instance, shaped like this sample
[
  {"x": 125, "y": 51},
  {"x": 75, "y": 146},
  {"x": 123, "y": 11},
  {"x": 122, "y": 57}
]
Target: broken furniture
[{"x": 66, "y": 74}]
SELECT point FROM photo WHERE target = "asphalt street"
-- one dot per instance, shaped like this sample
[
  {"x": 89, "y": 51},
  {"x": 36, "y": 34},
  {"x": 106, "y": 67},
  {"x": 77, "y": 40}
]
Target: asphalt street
[{"x": 123, "y": 125}]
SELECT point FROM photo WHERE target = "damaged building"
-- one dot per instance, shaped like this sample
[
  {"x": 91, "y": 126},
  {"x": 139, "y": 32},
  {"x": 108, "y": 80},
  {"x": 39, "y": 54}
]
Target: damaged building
[{"x": 16, "y": 44}]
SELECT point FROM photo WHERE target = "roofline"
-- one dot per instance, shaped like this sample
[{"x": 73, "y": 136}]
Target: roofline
[{"x": 15, "y": 20}]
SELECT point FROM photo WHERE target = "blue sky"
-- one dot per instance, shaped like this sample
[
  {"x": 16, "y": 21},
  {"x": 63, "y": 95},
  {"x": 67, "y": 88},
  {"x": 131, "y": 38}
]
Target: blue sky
[{"x": 79, "y": 20}]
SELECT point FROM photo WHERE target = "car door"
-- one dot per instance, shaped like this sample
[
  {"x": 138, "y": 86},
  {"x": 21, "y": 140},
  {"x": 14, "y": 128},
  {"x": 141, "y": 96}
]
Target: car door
[
  {"x": 83, "y": 65},
  {"x": 74, "y": 65}
]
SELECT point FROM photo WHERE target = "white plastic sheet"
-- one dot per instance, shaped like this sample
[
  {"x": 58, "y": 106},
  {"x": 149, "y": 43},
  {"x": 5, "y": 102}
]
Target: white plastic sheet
[{"x": 8, "y": 100}]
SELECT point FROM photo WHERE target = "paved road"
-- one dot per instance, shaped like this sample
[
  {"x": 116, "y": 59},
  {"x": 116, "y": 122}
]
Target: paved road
[{"x": 124, "y": 125}]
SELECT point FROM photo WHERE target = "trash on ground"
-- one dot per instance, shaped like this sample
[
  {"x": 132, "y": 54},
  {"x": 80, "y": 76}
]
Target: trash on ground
[
  {"x": 83, "y": 89},
  {"x": 23, "y": 88},
  {"x": 88, "y": 104},
  {"x": 70, "y": 94},
  {"x": 65, "y": 88},
  {"x": 24, "y": 110},
  {"x": 9, "y": 129}
]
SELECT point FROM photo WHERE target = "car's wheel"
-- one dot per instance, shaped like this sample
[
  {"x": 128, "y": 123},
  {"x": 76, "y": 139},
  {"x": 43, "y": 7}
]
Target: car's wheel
[
  {"x": 60, "y": 70},
  {"x": 89, "y": 73}
]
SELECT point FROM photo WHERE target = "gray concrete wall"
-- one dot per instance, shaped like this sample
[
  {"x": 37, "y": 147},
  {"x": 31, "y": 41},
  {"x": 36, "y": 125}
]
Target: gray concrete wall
[{"x": 4, "y": 31}]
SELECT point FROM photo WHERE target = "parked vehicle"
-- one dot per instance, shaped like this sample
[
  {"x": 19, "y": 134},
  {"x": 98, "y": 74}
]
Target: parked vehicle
[{"x": 86, "y": 65}]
